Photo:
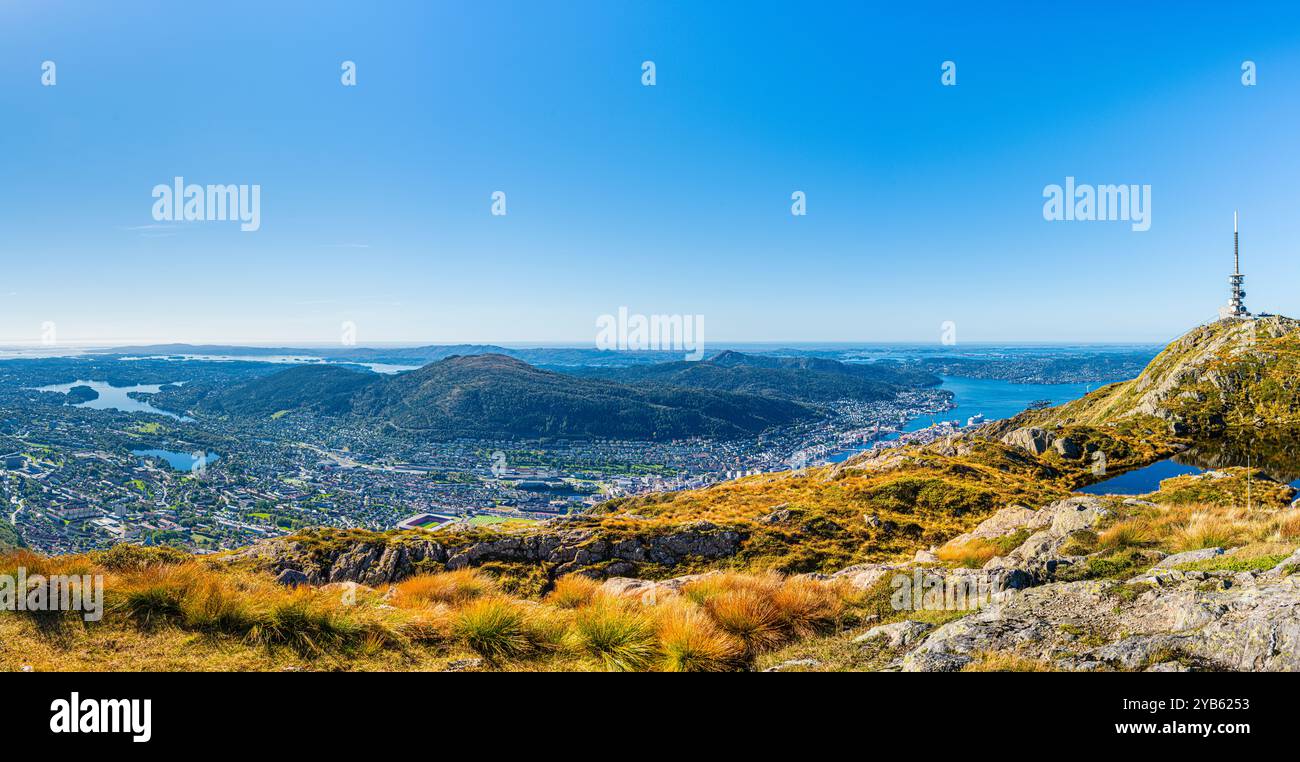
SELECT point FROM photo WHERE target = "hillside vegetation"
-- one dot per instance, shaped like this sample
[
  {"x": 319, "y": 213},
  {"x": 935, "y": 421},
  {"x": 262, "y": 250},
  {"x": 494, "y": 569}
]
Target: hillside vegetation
[
  {"x": 167, "y": 611},
  {"x": 493, "y": 396},
  {"x": 789, "y": 570},
  {"x": 9, "y": 538},
  {"x": 800, "y": 379},
  {"x": 1228, "y": 375}
]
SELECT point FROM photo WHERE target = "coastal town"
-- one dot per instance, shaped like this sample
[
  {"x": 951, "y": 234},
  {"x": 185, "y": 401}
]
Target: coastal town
[{"x": 73, "y": 478}]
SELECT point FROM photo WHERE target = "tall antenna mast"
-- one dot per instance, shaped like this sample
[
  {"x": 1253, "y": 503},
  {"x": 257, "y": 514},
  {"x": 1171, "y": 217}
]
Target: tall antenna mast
[
  {"x": 1236, "y": 306},
  {"x": 1236, "y": 258}
]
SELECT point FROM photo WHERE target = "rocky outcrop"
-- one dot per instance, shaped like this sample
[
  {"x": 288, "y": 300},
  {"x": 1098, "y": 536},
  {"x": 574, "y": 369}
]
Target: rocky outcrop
[
  {"x": 291, "y": 578},
  {"x": 1068, "y": 448},
  {"x": 1169, "y": 618},
  {"x": 898, "y": 634},
  {"x": 1039, "y": 556},
  {"x": 1223, "y": 621},
  {"x": 1188, "y": 557},
  {"x": 1230, "y": 373},
  {"x": 1030, "y": 438},
  {"x": 1037, "y": 441},
  {"x": 864, "y": 576},
  {"x": 562, "y": 549},
  {"x": 648, "y": 589},
  {"x": 1032, "y": 562}
]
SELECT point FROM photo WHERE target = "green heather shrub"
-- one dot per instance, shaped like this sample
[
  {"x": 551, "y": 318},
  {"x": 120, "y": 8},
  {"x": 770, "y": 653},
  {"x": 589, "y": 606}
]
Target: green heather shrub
[
  {"x": 494, "y": 628},
  {"x": 1235, "y": 563},
  {"x": 616, "y": 636},
  {"x": 1118, "y": 565},
  {"x": 124, "y": 557}
]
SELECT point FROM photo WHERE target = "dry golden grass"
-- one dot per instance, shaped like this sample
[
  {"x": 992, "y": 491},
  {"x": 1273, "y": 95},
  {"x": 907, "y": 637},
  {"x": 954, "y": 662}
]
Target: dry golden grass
[
  {"x": 691, "y": 641},
  {"x": 1177, "y": 528},
  {"x": 429, "y": 625},
  {"x": 712, "y": 585},
  {"x": 973, "y": 554},
  {"x": 1132, "y": 533},
  {"x": 807, "y": 607},
  {"x": 1286, "y": 526},
  {"x": 749, "y": 617},
  {"x": 824, "y": 529},
  {"x": 1206, "y": 529},
  {"x": 615, "y": 635},
  {"x": 452, "y": 588},
  {"x": 573, "y": 591},
  {"x": 193, "y": 615},
  {"x": 493, "y": 627},
  {"x": 1000, "y": 661}
]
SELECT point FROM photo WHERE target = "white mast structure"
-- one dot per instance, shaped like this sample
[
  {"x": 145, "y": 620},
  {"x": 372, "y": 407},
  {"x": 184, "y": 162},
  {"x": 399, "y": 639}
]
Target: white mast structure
[{"x": 1236, "y": 306}]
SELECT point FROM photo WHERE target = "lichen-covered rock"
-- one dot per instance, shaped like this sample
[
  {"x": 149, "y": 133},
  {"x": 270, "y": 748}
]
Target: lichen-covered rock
[
  {"x": 1039, "y": 555},
  {"x": 1067, "y": 448},
  {"x": 291, "y": 578},
  {"x": 1285, "y": 566},
  {"x": 565, "y": 548},
  {"x": 863, "y": 576},
  {"x": 1094, "y": 625},
  {"x": 898, "y": 634},
  {"x": 1189, "y": 557}
]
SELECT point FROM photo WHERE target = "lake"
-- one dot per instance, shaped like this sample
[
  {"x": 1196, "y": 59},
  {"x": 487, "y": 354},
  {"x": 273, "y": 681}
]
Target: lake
[
  {"x": 181, "y": 461},
  {"x": 1141, "y": 481},
  {"x": 115, "y": 397},
  {"x": 1277, "y": 456}
]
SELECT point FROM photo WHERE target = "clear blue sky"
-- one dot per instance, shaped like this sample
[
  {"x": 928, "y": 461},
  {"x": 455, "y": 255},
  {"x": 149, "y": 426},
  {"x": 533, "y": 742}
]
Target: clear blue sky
[{"x": 924, "y": 201}]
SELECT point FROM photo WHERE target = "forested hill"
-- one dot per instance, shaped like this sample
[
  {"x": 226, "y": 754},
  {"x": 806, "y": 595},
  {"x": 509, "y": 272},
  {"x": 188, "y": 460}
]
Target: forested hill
[
  {"x": 497, "y": 396},
  {"x": 801, "y": 379}
]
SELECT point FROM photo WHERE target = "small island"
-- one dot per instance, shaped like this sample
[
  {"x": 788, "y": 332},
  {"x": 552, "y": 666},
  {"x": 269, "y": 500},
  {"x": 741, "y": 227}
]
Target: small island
[{"x": 80, "y": 394}]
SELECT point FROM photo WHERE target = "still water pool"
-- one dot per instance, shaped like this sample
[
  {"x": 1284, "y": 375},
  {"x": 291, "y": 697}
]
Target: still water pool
[{"x": 1277, "y": 457}]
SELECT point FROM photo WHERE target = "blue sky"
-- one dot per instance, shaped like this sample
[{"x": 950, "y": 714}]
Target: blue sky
[{"x": 924, "y": 201}]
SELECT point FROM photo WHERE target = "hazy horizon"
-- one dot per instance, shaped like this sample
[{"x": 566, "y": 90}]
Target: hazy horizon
[{"x": 575, "y": 344}]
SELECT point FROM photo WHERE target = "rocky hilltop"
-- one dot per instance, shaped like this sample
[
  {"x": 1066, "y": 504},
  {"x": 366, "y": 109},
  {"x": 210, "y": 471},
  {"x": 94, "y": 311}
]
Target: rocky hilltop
[{"x": 1230, "y": 374}]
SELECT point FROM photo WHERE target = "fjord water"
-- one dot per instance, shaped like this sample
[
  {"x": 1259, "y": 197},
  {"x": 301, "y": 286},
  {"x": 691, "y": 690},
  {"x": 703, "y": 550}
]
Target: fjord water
[
  {"x": 996, "y": 399},
  {"x": 992, "y": 398}
]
